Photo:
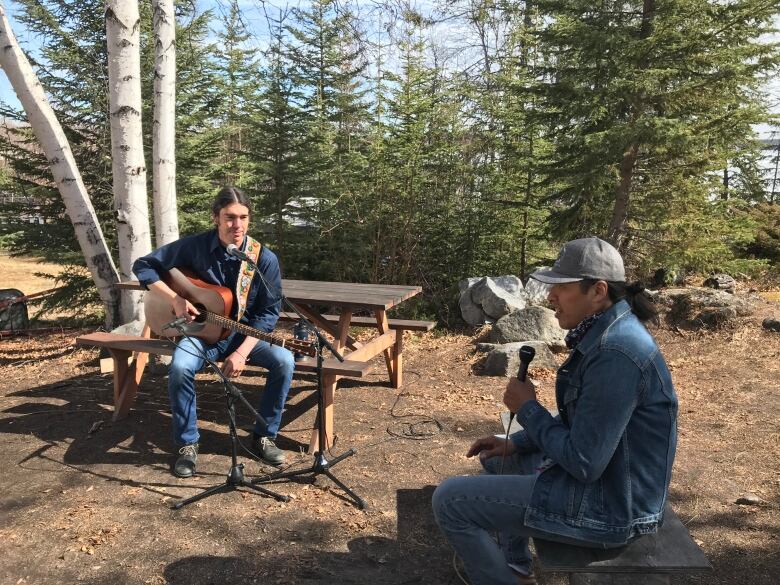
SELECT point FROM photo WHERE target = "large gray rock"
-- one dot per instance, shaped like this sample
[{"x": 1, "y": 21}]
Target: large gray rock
[
  {"x": 771, "y": 324},
  {"x": 467, "y": 283},
  {"x": 484, "y": 300},
  {"x": 536, "y": 292},
  {"x": 130, "y": 328},
  {"x": 470, "y": 311},
  {"x": 697, "y": 307},
  {"x": 537, "y": 323},
  {"x": 495, "y": 300},
  {"x": 721, "y": 282},
  {"x": 510, "y": 283},
  {"x": 504, "y": 360},
  {"x": 15, "y": 316}
]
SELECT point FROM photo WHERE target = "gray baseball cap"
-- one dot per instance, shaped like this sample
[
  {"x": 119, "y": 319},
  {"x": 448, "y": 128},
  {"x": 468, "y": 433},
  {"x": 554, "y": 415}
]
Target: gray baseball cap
[{"x": 584, "y": 258}]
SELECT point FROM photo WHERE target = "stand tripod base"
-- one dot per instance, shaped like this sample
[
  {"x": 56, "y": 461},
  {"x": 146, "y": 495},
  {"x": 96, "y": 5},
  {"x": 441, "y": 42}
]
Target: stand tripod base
[
  {"x": 235, "y": 480},
  {"x": 321, "y": 466}
]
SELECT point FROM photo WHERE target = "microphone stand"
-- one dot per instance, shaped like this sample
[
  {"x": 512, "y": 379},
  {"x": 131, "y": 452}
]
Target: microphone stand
[
  {"x": 321, "y": 464},
  {"x": 235, "y": 476}
]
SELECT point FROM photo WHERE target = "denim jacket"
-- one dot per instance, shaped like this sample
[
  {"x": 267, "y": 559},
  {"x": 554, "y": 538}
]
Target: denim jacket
[{"x": 612, "y": 444}]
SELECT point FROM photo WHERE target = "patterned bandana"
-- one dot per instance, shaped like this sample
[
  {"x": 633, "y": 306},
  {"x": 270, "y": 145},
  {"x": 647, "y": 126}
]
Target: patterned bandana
[{"x": 574, "y": 336}]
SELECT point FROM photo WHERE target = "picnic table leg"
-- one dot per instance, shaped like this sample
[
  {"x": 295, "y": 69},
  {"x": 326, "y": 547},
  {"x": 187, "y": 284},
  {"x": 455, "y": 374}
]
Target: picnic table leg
[
  {"x": 125, "y": 386},
  {"x": 398, "y": 379},
  {"x": 329, "y": 382},
  {"x": 128, "y": 370},
  {"x": 392, "y": 355},
  {"x": 328, "y": 390}
]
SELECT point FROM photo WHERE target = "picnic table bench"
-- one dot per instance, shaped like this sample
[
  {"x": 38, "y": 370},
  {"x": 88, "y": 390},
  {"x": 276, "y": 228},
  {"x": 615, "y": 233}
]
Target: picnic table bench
[
  {"x": 649, "y": 560},
  {"x": 130, "y": 352}
]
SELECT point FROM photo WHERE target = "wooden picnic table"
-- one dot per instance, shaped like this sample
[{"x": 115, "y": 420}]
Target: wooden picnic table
[{"x": 353, "y": 300}]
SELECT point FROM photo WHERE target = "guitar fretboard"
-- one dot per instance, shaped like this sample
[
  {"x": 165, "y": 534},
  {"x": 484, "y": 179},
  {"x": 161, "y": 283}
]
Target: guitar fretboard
[{"x": 225, "y": 323}]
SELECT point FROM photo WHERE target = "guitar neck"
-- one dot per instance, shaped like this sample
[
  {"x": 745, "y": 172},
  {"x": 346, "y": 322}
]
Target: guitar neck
[{"x": 225, "y": 323}]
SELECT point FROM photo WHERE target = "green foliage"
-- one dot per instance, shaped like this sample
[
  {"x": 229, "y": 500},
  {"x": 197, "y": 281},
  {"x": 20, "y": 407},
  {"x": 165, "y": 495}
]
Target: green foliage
[
  {"x": 648, "y": 101},
  {"x": 766, "y": 240},
  {"x": 384, "y": 155}
]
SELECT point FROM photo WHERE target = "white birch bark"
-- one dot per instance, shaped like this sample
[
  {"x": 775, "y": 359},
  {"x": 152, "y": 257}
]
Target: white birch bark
[
  {"x": 128, "y": 168},
  {"x": 166, "y": 222},
  {"x": 66, "y": 174}
]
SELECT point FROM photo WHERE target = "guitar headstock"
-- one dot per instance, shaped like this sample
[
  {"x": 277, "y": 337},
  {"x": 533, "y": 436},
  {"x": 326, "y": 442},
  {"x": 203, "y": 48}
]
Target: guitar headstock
[{"x": 300, "y": 346}]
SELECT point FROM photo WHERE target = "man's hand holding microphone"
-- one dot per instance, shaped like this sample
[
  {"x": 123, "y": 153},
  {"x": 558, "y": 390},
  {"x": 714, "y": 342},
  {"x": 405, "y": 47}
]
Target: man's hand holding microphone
[{"x": 518, "y": 391}]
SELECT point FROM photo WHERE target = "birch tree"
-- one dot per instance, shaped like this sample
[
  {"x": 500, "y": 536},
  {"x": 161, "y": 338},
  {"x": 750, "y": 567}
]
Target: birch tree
[
  {"x": 166, "y": 224},
  {"x": 128, "y": 166},
  {"x": 63, "y": 167}
]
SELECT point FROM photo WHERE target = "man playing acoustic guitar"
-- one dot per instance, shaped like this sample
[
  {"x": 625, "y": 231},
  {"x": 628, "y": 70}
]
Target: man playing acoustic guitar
[{"x": 206, "y": 256}]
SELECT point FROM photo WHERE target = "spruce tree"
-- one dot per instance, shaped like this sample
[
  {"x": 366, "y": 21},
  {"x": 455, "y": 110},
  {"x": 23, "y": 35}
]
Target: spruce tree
[
  {"x": 647, "y": 103},
  {"x": 328, "y": 62}
]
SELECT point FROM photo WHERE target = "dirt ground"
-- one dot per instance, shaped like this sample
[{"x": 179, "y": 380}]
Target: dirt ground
[{"x": 86, "y": 500}]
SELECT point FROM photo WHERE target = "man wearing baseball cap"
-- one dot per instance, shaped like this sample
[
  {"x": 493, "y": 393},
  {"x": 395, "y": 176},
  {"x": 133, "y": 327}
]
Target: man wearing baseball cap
[{"x": 597, "y": 473}]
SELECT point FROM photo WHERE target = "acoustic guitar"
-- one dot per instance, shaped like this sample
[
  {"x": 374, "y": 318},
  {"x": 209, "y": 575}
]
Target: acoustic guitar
[{"x": 214, "y": 323}]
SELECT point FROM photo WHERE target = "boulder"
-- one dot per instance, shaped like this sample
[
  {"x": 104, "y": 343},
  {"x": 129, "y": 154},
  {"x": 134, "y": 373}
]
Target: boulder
[
  {"x": 495, "y": 300},
  {"x": 721, "y": 282},
  {"x": 503, "y": 360},
  {"x": 130, "y": 328},
  {"x": 510, "y": 283},
  {"x": 14, "y": 317},
  {"x": 536, "y": 292},
  {"x": 697, "y": 307},
  {"x": 771, "y": 324},
  {"x": 470, "y": 311},
  {"x": 467, "y": 283},
  {"x": 536, "y": 323},
  {"x": 483, "y": 300}
]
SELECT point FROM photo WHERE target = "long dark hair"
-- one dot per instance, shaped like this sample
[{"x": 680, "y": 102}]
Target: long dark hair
[
  {"x": 228, "y": 196},
  {"x": 641, "y": 303}
]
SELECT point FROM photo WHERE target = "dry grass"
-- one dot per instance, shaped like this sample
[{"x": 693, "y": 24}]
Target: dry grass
[{"x": 20, "y": 273}]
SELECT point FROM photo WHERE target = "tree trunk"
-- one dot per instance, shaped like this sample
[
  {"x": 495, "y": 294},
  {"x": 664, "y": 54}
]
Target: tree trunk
[
  {"x": 129, "y": 168},
  {"x": 166, "y": 222},
  {"x": 63, "y": 167},
  {"x": 617, "y": 226}
]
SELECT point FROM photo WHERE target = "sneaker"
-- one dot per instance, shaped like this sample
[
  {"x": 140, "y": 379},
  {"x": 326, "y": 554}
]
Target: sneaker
[
  {"x": 268, "y": 451},
  {"x": 185, "y": 464}
]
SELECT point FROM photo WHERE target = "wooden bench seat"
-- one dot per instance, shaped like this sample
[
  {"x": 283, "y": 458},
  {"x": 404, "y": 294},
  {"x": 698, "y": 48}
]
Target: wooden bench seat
[
  {"x": 398, "y": 324},
  {"x": 646, "y": 561},
  {"x": 130, "y": 354},
  {"x": 134, "y": 343}
]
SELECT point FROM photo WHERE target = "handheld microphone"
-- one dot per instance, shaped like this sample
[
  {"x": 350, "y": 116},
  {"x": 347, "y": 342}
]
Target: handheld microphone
[
  {"x": 527, "y": 353},
  {"x": 176, "y": 323},
  {"x": 233, "y": 250}
]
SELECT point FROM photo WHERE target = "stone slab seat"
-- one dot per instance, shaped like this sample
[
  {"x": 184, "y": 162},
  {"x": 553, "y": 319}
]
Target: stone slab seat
[
  {"x": 649, "y": 560},
  {"x": 398, "y": 324},
  {"x": 134, "y": 343}
]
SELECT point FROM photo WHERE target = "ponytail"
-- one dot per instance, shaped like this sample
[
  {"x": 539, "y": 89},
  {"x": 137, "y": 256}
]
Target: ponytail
[{"x": 636, "y": 296}]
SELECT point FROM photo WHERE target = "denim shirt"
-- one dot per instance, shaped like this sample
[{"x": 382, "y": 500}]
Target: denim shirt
[
  {"x": 613, "y": 442},
  {"x": 205, "y": 255}
]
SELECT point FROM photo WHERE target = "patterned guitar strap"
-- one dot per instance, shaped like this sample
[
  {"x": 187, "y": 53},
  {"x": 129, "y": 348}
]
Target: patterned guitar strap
[{"x": 245, "y": 274}]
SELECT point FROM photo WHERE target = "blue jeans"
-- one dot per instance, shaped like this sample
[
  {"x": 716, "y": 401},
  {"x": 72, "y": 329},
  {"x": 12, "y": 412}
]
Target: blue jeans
[
  {"x": 187, "y": 360},
  {"x": 469, "y": 510}
]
